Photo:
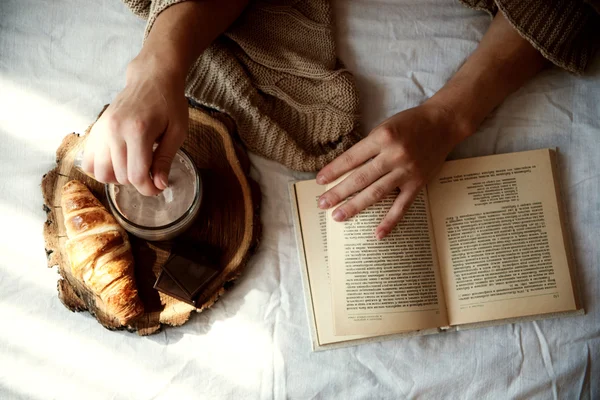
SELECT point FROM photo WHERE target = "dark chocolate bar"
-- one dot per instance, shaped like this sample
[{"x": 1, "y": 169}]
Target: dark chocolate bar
[
  {"x": 188, "y": 271},
  {"x": 165, "y": 284},
  {"x": 192, "y": 275}
]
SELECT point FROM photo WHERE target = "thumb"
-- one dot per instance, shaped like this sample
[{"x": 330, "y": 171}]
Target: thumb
[{"x": 163, "y": 158}]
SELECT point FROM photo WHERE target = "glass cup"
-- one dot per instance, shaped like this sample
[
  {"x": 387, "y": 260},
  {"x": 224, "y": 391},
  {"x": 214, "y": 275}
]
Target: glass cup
[{"x": 166, "y": 215}]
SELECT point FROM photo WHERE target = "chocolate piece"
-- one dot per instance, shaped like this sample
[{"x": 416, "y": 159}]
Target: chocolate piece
[
  {"x": 188, "y": 271},
  {"x": 165, "y": 284},
  {"x": 190, "y": 275}
]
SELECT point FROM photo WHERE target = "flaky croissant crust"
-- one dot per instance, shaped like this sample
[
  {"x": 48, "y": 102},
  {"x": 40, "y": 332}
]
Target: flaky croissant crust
[{"x": 99, "y": 252}]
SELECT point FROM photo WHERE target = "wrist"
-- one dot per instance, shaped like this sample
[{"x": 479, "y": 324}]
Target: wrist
[
  {"x": 158, "y": 67},
  {"x": 451, "y": 113}
]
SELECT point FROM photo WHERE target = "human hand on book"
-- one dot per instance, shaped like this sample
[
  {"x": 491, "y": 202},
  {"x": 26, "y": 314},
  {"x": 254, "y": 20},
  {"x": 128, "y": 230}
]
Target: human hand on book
[
  {"x": 405, "y": 152},
  {"x": 407, "y": 149}
]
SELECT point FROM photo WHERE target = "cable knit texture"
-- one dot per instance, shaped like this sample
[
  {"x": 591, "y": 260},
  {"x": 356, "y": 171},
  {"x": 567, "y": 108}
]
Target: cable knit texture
[
  {"x": 275, "y": 72},
  {"x": 566, "y": 32}
]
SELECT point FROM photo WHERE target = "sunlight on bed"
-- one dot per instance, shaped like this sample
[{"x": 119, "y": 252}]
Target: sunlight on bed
[
  {"x": 25, "y": 111},
  {"x": 76, "y": 357},
  {"x": 22, "y": 224},
  {"x": 240, "y": 340}
]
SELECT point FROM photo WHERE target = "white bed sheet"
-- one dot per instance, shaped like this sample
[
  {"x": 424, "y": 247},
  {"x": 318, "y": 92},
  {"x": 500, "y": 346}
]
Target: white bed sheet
[{"x": 61, "y": 60}]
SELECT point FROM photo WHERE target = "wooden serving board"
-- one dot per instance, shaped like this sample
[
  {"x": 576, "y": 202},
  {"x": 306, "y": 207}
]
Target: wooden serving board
[{"x": 228, "y": 220}]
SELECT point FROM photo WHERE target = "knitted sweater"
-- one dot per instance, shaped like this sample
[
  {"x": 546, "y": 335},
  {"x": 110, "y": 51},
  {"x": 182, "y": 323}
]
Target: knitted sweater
[
  {"x": 566, "y": 32},
  {"x": 275, "y": 70}
]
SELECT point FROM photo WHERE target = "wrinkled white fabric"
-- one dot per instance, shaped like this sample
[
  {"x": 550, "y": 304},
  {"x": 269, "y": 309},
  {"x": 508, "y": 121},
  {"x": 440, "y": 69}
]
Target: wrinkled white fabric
[{"x": 61, "y": 61}]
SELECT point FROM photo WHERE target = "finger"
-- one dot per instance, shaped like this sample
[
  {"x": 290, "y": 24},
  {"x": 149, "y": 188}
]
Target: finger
[
  {"x": 139, "y": 161},
  {"x": 401, "y": 205},
  {"x": 87, "y": 164},
  {"x": 118, "y": 154},
  {"x": 371, "y": 195},
  {"x": 358, "y": 180},
  {"x": 164, "y": 155},
  {"x": 355, "y": 156},
  {"x": 103, "y": 168}
]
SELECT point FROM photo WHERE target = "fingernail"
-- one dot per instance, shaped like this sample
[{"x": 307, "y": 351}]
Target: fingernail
[
  {"x": 324, "y": 203},
  {"x": 339, "y": 215},
  {"x": 380, "y": 235},
  {"x": 321, "y": 180},
  {"x": 163, "y": 181}
]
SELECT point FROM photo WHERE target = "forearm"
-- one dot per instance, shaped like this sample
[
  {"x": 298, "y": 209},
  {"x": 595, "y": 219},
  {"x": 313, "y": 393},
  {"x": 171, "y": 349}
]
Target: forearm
[
  {"x": 502, "y": 63},
  {"x": 182, "y": 32}
]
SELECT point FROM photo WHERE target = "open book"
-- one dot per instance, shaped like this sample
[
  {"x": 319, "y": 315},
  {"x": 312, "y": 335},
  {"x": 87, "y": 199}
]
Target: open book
[{"x": 485, "y": 243}]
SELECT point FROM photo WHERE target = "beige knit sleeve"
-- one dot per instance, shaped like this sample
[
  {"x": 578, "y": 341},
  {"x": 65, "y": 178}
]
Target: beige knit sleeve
[
  {"x": 149, "y": 9},
  {"x": 566, "y": 32},
  {"x": 276, "y": 74}
]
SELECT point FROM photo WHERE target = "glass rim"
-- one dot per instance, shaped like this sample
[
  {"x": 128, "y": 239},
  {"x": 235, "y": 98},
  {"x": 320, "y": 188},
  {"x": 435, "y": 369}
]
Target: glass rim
[{"x": 191, "y": 209}]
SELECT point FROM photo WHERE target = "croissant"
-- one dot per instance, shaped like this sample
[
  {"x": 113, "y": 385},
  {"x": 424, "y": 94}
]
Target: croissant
[{"x": 99, "y": 252}]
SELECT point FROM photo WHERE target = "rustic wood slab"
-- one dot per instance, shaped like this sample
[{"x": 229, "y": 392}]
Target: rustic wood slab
[{"x": 228, "y": 220}]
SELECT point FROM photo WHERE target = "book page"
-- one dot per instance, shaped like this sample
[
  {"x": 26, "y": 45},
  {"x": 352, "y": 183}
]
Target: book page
[
  {"x": 500, "y": 239},
  {"x": 312, "y": 221},
  {"x": 385, "y": 286}
]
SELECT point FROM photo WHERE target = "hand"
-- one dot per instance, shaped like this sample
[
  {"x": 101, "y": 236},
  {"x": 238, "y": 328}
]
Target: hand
[
  {"x": 151, "y": 109},
  {"x": 405, "y": 152}
]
